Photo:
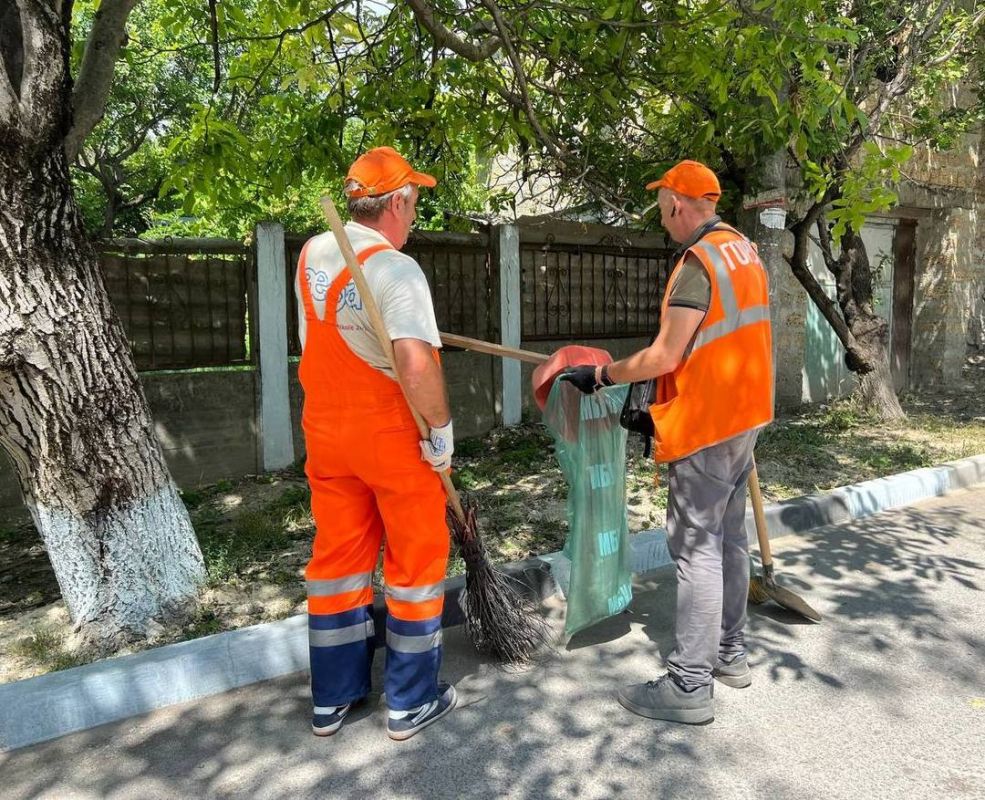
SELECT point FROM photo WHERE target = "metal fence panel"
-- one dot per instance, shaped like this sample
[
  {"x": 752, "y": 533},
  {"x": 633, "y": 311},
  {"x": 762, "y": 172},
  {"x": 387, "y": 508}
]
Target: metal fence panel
[
  {"x": 181, "y": 307},
  {"x": 578, "y": 291}
]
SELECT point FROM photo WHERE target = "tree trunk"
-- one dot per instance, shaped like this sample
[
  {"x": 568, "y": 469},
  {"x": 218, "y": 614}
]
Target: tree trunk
[
  {"x": 73, "y": 416},
  {"x": 109, "y": 213},
  {"x": 862, "y": 332},
  {"x": 869, "y": 358},
  {"x": 876, "y": 392}
]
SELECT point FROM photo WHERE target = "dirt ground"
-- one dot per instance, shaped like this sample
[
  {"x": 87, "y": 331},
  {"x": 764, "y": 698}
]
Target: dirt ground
[{"x": 255, "y": 533}]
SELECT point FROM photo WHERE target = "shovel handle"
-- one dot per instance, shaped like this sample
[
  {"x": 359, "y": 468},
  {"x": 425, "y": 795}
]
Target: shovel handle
[
  {"x": 757, "y": 510},
  {"x": 492, "y": 349},
  {"x": 376, "y": 318}
]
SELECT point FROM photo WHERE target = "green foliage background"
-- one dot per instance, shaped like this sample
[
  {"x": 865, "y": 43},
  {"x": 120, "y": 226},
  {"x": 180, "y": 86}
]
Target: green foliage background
[{"x": 599, "y": 98}]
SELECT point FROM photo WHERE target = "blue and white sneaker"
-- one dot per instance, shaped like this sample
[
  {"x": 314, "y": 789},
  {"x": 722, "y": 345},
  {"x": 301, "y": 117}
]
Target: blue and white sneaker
[
  {"x": 402, "y": 725},
  {"x": 328, "y": 719}
]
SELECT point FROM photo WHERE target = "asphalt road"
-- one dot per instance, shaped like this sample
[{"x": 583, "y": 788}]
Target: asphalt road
[{"x": 885, "y": 698}]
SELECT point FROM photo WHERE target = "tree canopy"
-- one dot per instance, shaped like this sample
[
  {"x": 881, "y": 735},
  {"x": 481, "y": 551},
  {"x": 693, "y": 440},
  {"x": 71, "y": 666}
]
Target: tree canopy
[{"x": 229, "y": 112}]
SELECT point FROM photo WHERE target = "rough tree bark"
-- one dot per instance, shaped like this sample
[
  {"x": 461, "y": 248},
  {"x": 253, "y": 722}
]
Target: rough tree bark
[{"x": 73, "y": 416}]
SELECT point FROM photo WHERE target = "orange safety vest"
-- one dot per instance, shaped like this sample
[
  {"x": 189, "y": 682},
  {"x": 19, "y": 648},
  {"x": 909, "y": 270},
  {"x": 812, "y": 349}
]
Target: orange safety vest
[{"x": 724, "y": 385}]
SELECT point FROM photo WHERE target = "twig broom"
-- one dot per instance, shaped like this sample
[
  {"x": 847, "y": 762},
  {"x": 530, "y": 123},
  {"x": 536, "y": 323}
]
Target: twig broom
[{"x": 499, "y": 620}]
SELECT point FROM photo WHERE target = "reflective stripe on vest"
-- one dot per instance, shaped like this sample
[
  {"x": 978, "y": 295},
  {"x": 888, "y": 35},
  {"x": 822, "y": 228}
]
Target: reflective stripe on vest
[
  {"x": 333, "y": 586},
  {"x": 734, "y": 318},
  {"x": 404, "y": 643},
  {"x": 333, "y": 637},
  {"x": 416, "y": 594}
]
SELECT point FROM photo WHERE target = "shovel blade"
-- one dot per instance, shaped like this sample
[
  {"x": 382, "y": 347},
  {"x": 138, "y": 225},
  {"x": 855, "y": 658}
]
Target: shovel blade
[{"x": 792, "y": 601}]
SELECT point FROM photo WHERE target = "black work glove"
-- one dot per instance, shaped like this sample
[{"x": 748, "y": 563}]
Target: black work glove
[{"x": 583, "y": 377}]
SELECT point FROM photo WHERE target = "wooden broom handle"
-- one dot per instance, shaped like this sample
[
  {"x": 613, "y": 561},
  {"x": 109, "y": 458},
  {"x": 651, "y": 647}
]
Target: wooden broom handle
[
  {"x": 376, "y": 318},
  {"x": 492, "y": 349},
  {"x": 765, "y": 555}
]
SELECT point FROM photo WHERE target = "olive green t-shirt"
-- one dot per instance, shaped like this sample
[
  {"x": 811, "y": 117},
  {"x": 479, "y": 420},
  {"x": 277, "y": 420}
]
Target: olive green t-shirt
[{"x": 692, "y": 287}]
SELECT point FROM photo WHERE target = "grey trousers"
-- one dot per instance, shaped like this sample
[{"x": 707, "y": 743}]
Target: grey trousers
[{"x": 707, "y": 539}]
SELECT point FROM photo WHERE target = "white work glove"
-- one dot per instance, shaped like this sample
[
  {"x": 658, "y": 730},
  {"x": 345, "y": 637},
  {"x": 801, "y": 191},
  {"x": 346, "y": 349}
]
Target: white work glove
[{"x": 437, "y": 449}]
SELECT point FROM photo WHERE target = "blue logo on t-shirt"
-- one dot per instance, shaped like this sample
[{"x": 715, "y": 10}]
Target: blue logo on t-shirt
[
  {"x": 318, "y": 282},
  {"x": 349, "y": 296}
]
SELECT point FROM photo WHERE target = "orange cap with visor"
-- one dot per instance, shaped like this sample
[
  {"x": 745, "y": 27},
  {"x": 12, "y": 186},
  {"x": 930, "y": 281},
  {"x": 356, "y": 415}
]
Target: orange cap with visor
[
  {"x": 383, "y": 170},
  {"x": 691, "y": 179}
]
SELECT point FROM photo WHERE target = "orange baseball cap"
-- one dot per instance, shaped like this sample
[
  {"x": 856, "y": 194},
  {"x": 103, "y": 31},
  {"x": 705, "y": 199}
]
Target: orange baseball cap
[
  {"x": 382, "y": 170},
  {"x": 691, "y": 179}
]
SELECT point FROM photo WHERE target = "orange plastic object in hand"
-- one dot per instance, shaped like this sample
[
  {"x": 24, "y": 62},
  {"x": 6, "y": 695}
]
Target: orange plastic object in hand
[{"x": 568, "y": 356}]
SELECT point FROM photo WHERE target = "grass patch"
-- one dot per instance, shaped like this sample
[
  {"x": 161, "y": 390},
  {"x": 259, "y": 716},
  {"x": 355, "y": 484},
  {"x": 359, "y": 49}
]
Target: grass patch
[
  {"x": 289, "y": 499},
  {"x": 249, "y": 539},
  {"x": 895, "y": 457},
  {"x": 205, "y": 623},
  {"x": 229, "y": 551},
  {"x": 503, "y": 454},
  {"x": 191, "y": 498},
  {"x": 46, "y": 648}
]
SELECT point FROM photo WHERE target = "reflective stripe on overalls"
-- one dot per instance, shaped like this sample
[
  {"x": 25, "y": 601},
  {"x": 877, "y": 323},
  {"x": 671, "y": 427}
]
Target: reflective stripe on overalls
[{"x": 368, "y": 485}]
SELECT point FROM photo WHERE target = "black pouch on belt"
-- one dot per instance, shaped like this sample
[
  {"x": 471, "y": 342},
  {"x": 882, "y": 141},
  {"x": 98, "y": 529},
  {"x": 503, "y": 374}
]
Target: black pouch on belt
[{"x": 635, "y": 416}]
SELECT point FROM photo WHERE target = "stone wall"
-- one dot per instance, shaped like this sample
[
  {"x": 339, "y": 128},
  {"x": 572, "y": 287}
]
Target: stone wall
[
  {"x": 947, "y": 275},
  {"x": 946, "y": 193}
]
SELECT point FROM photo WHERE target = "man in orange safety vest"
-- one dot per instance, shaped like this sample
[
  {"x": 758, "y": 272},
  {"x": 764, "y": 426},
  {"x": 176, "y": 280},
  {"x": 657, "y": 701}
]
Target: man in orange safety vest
[{"x": 713, "y": 362}]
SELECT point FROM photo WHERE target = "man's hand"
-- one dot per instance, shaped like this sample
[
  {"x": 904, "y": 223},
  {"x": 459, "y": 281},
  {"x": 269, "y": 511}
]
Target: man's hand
[
  {"x": 437, "y": 449},
  {"x": 583, "y": 376}
]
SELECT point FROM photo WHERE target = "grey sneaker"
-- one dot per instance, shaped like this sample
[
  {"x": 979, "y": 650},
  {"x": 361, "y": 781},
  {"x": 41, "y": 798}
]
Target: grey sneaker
[
  {"x": 664, "y": 699},
  {"x": 329, "y": 720},
  {"x": 734, "y": 673},
  {"x": 405, "y": 726}
]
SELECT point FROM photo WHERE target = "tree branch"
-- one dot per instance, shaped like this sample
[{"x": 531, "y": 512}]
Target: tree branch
[
  {"x": 798, "y": 264},
  {"x": 958, "y": 41},
  {"x": 556, "y": 149},
  {"x": 443, "y": 37},
  {"x": 828, "y": 307},
  {"x": 842, "y": 268},
  {"x": 216, "y": 57},
  {"x": 900, "y": 83},
  {"x": 96, "y": 73}
]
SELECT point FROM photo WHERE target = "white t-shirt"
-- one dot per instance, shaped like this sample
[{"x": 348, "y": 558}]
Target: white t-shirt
[{"x": 396, "y": 281}]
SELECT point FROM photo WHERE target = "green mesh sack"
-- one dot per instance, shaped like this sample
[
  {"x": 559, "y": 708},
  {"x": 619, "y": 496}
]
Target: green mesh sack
[{"x": 591, "y": 448}]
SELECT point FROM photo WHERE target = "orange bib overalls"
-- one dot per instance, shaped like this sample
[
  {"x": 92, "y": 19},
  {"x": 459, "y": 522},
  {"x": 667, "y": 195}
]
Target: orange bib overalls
[{"x": 368, "y": 486}]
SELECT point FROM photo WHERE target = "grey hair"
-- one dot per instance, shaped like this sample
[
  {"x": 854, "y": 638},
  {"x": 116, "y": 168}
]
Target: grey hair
[{"x": 371, "y": 208}]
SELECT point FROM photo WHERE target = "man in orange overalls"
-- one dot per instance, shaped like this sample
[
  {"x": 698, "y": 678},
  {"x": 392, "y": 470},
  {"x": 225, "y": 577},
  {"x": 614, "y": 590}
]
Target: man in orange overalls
[
  {"x": 714, "y": 368},
  {"x": 373, "y": 481}
]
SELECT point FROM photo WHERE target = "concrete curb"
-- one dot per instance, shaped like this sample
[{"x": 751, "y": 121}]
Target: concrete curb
[
  {"x": 870, "y": 497},
  {"x": 43, "y": 708}
]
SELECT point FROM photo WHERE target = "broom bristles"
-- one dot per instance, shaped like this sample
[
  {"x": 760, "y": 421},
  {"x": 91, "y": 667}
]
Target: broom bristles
[
  {"x": 757, "y": 592},
  {"x": 499, "y": 618}
]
